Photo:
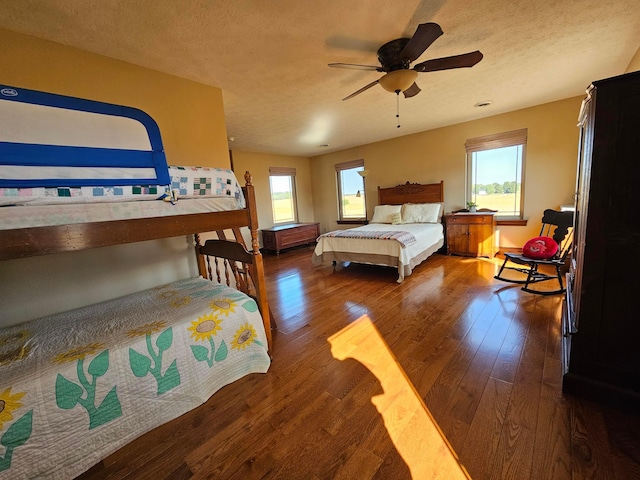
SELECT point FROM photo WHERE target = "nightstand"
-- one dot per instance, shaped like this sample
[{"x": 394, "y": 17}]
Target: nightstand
[{"x": 471, "y": 234}]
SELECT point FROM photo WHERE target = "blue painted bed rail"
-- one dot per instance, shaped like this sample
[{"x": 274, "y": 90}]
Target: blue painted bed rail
[{"x": 39, "y": 155}]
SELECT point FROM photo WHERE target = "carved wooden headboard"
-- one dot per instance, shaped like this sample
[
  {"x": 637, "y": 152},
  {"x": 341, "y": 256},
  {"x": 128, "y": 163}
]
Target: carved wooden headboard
[{"x": 411, "y": 193}]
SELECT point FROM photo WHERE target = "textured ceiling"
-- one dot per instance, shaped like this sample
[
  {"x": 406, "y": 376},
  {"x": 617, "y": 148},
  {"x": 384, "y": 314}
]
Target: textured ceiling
[{"x": 270, "y": 57}]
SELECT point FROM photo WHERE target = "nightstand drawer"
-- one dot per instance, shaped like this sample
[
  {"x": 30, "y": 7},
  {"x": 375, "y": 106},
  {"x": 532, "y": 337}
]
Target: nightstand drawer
[{"x": 471, "y": 218}]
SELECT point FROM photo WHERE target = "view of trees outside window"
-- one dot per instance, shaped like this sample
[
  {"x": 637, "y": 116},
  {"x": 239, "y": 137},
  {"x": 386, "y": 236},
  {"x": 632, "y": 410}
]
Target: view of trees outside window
[
  {"x": 283, "y": 198},
  {"x": 496, "y": 179},
  {"x": 352, "y": 194}
]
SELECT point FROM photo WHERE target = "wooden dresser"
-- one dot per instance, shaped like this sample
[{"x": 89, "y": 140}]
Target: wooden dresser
[
  {"x": 601, "y": 318},
  {"x": 471, "y": 234},
  {"x": 286, "y": 236}
]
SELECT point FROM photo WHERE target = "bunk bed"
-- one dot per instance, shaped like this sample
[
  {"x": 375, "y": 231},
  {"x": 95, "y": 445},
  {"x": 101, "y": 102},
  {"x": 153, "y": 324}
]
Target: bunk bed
[
  {"x": 78, "y": 385},
  {"x": 405, "y": 230}
]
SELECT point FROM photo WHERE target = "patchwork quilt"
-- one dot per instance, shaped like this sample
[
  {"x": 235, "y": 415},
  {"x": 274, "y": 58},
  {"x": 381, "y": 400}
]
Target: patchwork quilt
[
  {"x": 186, "y": 182},
  {"x": 77, "y": 386},
  {"x": 402, "y": 237}
]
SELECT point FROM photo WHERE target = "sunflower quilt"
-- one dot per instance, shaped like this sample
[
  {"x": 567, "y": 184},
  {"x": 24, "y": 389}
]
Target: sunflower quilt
[{"x": 76, "y": 386}]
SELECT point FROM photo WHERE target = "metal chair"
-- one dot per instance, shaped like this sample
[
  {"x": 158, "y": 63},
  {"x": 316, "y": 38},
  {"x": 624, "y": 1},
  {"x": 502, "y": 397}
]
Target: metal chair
[{"x": 555, "y": 225}]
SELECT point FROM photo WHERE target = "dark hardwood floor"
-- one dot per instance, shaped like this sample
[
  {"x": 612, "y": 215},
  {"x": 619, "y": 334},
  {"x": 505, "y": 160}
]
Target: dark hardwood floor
[{"x": 344, "y": 395}]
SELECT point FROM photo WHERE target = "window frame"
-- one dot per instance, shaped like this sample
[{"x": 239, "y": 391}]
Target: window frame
[
  {"x": 492, "y": 142},
  {"x": 358, "y": 166},
  {"x": 284, "y": 172}
]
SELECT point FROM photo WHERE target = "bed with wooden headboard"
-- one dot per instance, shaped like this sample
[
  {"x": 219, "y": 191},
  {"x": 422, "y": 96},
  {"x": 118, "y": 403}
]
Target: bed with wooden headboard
[
  {"x": 405, "y": 230},
  {"x": 77, "y": 385}
]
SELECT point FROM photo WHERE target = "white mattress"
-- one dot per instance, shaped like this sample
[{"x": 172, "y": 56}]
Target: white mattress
[
  {"x": 429, "y": 238},
  {"x": 48, "y": 215}
]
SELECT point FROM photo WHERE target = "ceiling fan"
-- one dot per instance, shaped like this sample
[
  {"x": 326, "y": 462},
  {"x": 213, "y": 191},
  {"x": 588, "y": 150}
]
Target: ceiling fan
[{"x": 395, "y": 59}]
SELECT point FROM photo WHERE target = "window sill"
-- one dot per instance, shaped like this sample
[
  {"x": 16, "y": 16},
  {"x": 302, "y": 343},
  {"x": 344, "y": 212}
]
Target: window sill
[
  {"x": 363, "y": 221},
  {"x": 513, "y": 222}
]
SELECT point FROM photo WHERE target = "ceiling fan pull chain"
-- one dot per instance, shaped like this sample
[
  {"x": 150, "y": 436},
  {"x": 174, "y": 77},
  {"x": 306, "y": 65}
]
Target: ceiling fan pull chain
[{"x": 398, "y": 107}]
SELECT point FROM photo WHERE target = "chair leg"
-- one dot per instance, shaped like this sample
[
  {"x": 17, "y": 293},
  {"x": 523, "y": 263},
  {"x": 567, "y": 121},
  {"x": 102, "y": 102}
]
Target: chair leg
[
  {"x": 525, "y": 271},
  {"x": 536, "y": 277},
  {"x": 532, "y": 272},
  {"x": 498, "y": 276},
  {"x": 560, "y": 278}
]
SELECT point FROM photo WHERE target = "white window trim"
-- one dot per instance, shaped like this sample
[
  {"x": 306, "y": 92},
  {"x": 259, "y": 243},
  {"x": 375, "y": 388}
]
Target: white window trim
[
  {"x": 349, "y": 165},
  {"x": 491, "y": 142},
  {"x": 284, "y": 172}
]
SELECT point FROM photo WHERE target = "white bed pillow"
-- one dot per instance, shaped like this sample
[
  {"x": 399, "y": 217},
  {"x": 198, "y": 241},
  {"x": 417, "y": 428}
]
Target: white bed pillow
[
  {"x": 421, "y": 212},
  {"x": 383, "y": 213}
]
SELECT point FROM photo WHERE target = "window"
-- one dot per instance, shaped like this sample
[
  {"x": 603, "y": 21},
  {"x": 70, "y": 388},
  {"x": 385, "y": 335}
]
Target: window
[
  {"x": 495, "y": 172},
  {"x": 351, "y": 193},
  {"x": 283, "y": 194}
]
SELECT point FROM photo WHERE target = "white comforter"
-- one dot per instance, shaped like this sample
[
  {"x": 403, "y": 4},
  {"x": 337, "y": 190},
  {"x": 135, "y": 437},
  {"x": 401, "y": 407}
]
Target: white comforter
[{"x": 429, "y": 238}]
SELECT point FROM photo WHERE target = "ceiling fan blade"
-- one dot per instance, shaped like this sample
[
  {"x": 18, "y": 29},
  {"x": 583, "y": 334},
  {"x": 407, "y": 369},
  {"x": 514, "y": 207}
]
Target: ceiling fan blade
[
  {"x": 445, "y": 63},
  {"x": 425, "y": 35},
  {"x": 412, "y": 91},
  {"x": 366, "y": 87},
  {"x": 355, "y": 66}
]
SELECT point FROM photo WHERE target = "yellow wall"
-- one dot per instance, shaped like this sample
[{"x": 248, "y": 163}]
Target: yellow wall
[
  {"x": 191, "y": 119},
  {"x": 634, "y": 65},
  {"x": 258, "y": 164},
  {"x": 190, "y": 114},
  {"x": 439, "y": 154}
]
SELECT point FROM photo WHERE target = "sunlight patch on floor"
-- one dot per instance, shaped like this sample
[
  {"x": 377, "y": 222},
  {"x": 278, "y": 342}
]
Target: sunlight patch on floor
[{"x": 411, "y": 427}]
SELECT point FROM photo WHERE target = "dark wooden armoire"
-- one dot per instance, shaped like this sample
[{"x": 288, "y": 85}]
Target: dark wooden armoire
[{"x": 601, "y": 318}]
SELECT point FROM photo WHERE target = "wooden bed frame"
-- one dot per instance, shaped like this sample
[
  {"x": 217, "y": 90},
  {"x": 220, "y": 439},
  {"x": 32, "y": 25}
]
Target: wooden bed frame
[
  {"x": 29, "y": 242},
  {"x": 411, "y": 193},
  {"x": 398, "y": 195}
]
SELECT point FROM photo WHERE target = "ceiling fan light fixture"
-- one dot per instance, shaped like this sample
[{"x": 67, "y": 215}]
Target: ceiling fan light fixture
[
  {"x": 396, "y": 56},
  {"x": 398, "y": 80}
]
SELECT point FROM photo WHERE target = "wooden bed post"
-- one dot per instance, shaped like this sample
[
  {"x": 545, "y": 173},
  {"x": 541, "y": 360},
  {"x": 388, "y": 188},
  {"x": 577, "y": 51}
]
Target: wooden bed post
[
  {"x": 258, "y": 278},
  {"x": 253, "y": 220},
  {"x": 261, "y": 297},
  {"x": 202, "y": 269}
]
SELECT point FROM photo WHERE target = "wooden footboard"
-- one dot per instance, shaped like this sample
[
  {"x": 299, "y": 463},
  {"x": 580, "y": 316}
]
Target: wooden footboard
[
  {"x": 233, "y": 264},
  {"x": 228, "y": 262}
]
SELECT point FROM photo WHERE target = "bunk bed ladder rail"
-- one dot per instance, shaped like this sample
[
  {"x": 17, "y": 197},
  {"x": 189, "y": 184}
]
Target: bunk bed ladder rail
[
  {"x": 239, "y": 271},
  {"x": 232, "y": 256}
]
